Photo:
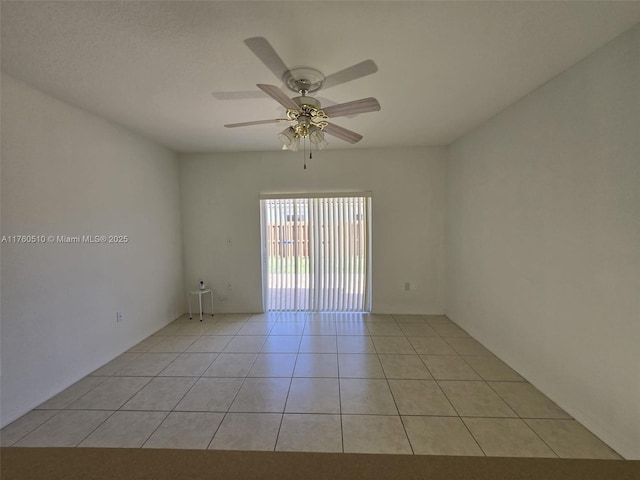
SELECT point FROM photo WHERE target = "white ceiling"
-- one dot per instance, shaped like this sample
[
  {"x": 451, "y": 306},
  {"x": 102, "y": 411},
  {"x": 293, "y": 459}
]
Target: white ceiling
[{"x": 444, "y": 67}]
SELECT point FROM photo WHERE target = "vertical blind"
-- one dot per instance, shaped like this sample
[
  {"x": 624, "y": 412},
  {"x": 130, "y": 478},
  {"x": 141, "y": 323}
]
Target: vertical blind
[{"x": 316, "y": 253}]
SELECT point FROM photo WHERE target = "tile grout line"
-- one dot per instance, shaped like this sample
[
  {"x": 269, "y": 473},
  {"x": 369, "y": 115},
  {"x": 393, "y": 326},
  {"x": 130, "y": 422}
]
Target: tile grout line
[
  {"x": 461, "y": 419},
  {"x": 157, "y": 427},
  {"x": 66, "y": 407},
  {"x": 284, "y": 407},
  {"x": 97, "y": 426},
  {"x": 225, "y": 414},
  {"x": 36, "y": 427},
  {"x": 340, "y": 395},
  {"x": 395, "y": 403},
  {"x": 113, "y": 411},
  {"x": 244, "y": 379},
  {"x": 163, "y": 369},
  {"x": 401, "y": 419},
  {"x": 172, "y": 410},
  {"x": 522, "y": 420},
  {"x": 119, "y": 409}
]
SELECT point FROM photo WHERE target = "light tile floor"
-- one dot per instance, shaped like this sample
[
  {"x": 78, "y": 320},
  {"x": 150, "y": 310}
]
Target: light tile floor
[{"x": 309, "y": 382}]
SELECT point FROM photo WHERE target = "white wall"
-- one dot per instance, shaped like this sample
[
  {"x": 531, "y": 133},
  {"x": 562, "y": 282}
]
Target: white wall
[
  {"x": 543, "y": 246},
  {"x": 220, "y": 201},
  {"x": 67, "y": 172}
]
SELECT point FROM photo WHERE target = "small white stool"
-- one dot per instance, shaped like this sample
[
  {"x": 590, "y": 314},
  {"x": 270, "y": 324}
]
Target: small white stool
[{"x": 200, "y": 293}]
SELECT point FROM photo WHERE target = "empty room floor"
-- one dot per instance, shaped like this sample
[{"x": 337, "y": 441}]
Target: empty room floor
[{"x": 309, "y": 382}]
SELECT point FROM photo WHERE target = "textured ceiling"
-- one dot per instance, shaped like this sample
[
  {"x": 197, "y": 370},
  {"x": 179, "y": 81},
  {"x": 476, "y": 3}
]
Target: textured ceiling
[{"x": 444, "y": 67}]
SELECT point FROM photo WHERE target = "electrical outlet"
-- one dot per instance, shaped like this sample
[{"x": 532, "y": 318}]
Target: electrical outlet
[
  {"x": 119, "y": 317},
  {"x": 407, "y": 286},
  {"x": 228, "y": 286}
]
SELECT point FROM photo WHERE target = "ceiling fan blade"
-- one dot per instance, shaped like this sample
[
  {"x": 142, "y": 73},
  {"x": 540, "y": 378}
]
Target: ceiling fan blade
[
  {"x": 350, "y": 108},
  {"x": 278, "y": 95},
  {"x": 257, "y": 122},
  {"x": 358, "y": 70},
  {"x": 342, "y": 133},
  {"x": 262, "y": 49}
]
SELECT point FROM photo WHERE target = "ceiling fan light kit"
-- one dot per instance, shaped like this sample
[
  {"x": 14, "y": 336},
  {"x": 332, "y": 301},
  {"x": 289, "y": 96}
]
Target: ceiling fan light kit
[
  {"x": 316, "y": 136},
  {"x": 289, "y": 139},
  {"x": 308, "y": 118}
]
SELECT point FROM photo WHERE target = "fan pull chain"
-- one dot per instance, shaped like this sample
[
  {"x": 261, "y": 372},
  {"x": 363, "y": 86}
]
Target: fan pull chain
[
  {"x": 310, "y": 156},
  {"x": 304, "y": 151}
]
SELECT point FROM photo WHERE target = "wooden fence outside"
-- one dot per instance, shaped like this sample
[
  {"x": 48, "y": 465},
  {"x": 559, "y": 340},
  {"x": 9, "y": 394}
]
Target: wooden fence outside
[{"x": 282, "y": 239}]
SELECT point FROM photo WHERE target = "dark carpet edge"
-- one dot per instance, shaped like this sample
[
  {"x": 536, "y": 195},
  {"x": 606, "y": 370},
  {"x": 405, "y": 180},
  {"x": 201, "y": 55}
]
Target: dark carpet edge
[{"x": 116, "y": 463}]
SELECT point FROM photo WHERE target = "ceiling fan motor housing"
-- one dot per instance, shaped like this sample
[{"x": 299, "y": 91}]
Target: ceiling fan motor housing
[
  {"x": 308, "y": 102},
  {"x": 303, "y": 79}
]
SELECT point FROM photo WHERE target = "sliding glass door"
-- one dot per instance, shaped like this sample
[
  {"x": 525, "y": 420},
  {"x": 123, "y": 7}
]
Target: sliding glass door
[{"x": 316, "y": 252}]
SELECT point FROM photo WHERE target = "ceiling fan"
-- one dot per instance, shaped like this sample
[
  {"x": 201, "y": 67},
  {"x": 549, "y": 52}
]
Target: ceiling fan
[{"x": 306, "y": 116}]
